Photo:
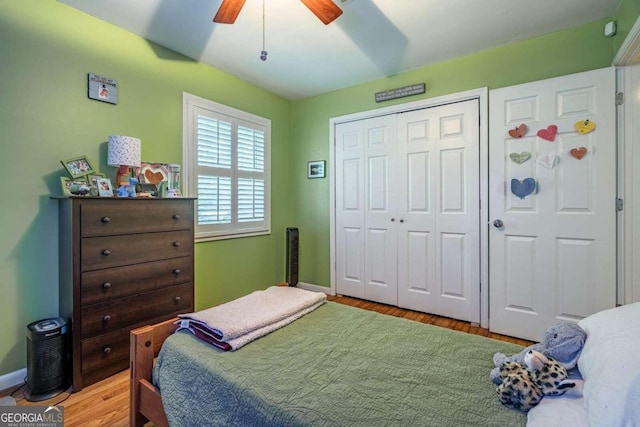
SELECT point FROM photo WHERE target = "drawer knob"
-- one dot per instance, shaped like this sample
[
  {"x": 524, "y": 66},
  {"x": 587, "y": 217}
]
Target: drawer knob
[
  {"x": 106, "y": 285},
  {"x": 106, "y": 318},
  {"x": 176, "y": 216},
  {"x": 106, "y": 252},
  {"x": 176, "y": 244},
  {"x": 107, "y": 350},
  {"x": 176, "y": 271},
  {"x": 177, "y": 299},
  {"x": 105, "y": 219}
]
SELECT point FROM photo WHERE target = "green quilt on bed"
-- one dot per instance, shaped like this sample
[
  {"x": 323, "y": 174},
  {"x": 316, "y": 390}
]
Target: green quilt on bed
[{"x": 337, "y": 366}]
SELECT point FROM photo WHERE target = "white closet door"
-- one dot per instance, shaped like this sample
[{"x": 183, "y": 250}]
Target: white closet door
[
  {"x": 365, "y": 227},
  {"x": 439, "y": 230},
  {"x": 553, "y": 253}
]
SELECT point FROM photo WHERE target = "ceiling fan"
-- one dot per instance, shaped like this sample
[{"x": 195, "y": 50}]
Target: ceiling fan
[{"x": 325, "y": 10}]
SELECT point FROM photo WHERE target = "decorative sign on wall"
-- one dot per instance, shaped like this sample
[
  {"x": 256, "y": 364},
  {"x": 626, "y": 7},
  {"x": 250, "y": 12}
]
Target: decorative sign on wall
[
  {"x": 401, "y": 92},
  {"x": 103, "y": 89}
]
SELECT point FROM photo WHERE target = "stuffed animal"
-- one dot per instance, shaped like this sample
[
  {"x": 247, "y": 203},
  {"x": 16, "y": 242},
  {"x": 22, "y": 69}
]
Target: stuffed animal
[
  {"x": 563, "y": 342},
  {"x": 517, "y": 389},
  {"x": 522, "y": 386},
  {"x": 551, "y": 377}
]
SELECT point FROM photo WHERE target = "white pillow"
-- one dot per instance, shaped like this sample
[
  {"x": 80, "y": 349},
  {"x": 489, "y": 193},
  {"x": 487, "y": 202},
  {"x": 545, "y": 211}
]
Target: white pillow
[{"x": 610, "y": 366}]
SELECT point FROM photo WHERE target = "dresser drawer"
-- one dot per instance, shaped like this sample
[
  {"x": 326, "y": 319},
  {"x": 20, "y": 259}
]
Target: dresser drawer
[
  {"x": 127, "y": 216},
  {"x": 115, "y": 251},
  {"x": 117, "y": 282},
  {"x": 105, "y": 349},
  {"x": 108, "y": 316}
]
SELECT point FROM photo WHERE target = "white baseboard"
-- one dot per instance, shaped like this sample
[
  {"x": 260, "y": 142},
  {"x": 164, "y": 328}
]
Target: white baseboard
[
  {"x": 12, "y": 379},
  {"x": 314, "y": 288}
]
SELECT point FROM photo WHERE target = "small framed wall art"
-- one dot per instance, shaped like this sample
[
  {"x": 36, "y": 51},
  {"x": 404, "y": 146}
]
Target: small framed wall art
[
  {"x": 103, "y": 89},
  {"x": 316, "y": 169}
]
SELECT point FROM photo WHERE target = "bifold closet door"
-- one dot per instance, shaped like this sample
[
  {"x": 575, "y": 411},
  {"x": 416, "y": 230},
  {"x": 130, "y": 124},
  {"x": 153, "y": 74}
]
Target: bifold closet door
[
  {"x": 407, "y": 210},
  {"x": 439, "y": 229},
  {"x": 366, "y": 236}
]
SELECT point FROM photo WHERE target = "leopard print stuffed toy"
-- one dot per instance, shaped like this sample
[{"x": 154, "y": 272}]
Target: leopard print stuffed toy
[{"x": 524, "y": 386}]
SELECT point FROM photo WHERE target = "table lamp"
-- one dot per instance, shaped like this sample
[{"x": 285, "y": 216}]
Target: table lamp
[{"x": 123, "y": 152}]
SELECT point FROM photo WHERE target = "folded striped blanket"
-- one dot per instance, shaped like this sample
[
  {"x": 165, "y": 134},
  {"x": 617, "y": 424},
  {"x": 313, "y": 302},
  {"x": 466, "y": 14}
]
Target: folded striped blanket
[{"x": 231, "y": 325}]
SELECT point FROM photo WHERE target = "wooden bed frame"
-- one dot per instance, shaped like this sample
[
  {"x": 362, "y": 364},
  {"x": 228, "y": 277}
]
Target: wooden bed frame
[{"x": 144, "y": 398}]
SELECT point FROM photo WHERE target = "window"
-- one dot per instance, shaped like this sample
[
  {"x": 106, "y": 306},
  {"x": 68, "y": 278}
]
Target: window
[{"x": 226, "y": 156}]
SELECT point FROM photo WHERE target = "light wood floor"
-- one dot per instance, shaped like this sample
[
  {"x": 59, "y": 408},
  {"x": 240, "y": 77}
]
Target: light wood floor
[{"x": 107, "y": 403}]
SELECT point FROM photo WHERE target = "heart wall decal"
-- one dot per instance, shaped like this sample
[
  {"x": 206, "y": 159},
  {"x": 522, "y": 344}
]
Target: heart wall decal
[
  {"x": 585, "y": 126},
  {"x": 578, "y": 153},
  {"x": 520, "y": 158},
  {"x": 519, "y": 131},
  {"x": 548, "y": 134},
  {"x": 523, "y": 188},
  {"x": 549, "y": 161}
]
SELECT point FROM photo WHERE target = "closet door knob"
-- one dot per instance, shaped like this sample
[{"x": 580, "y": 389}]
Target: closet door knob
[
  {"x": 106, "y": 318},
  {"x": 402, "y": 220},
  {"x": 105, "y": 219},
  {"x": 177, "y": 299},
  {"x": 176, "y": 271},
  {"x": 176, "y": 216},
  {"x": 106, "y": 252},
  {"x": 106, "y": 285},
  {"x": 393, "y": 219},
  {"x": 176, "y": 244},
  {"x": 107, "y": 350}
]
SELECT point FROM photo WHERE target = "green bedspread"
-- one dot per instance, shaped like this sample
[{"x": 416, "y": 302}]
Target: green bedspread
[{"x": 337, "y": 366}]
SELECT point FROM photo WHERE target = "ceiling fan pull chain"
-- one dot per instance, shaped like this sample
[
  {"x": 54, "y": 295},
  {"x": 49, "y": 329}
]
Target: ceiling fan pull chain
[{"x": 263, "y": 54}]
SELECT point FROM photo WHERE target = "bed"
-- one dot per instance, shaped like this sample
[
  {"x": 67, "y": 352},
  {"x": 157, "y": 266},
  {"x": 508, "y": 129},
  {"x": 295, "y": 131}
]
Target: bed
[{"x": 337, "y": 365}]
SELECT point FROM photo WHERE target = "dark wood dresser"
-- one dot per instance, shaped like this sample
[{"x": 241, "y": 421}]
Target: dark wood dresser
[{"x": 124, "y": 263}]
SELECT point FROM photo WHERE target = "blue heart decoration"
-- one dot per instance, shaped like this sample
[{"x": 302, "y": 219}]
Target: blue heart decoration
[{"x": 523, "y": 188}]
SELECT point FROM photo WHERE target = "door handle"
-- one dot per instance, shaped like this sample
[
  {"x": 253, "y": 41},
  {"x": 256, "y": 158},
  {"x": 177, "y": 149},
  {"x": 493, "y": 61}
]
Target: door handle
[{"x": 498, "y": 223}]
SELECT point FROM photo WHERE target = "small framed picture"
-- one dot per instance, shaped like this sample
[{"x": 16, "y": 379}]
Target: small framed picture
[
  {"x": 315, "y": 169},
  {"x": 78, "y": 166},
  {"x": 73, "y": 187},
  {"x": 93, "y": 178},
  {"x": 104, "y": 187}
]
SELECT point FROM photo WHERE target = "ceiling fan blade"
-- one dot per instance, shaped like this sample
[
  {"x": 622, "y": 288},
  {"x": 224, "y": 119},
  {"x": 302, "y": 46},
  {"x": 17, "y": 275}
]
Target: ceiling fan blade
[
  {"x": 228, "y": 12},
  {"x": 325, "y": 10}
]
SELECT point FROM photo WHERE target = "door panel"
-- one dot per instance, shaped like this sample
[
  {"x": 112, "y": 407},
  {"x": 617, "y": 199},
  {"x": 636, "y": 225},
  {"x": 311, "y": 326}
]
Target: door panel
[
  {"x": 439, "y": 236},
  {"x": 554, "y": 258}
]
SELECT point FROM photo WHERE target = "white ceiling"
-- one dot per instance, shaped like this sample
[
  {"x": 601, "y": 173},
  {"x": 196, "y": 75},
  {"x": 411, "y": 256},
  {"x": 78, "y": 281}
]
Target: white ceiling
[{"x": 371, "y": 40}]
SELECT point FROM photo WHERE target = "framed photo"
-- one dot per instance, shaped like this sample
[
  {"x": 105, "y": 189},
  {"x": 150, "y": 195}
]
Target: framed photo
[
  {"x": 93, "y": 178},
  {"x": 152, "y": 173},
  {"x": 104, "y": 187},
  {"x": 66, "y": 183},
  {"x": 316, "y": 169},
  {"x": 78, "y": 166}
]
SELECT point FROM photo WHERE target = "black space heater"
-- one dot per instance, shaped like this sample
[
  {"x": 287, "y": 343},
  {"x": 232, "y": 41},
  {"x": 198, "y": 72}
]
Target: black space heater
[
  {"x": 292, "y": 256},
  {"x": 46, "y": 359}
]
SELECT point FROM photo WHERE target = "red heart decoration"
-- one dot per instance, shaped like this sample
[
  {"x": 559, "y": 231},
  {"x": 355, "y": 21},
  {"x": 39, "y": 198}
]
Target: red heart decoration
[
  {"x": 153, "y": 177},
  {"x": 578, "y": 153},
  {"x": 519, "y": 131},
  {"x": 549, "y": 133}
]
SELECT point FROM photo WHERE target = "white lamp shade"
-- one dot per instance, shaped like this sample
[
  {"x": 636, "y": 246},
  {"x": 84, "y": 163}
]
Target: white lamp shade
[{"x": 124, "y": 151}]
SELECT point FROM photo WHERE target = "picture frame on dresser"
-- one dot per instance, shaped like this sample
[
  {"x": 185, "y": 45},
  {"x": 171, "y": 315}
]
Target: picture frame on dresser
[
  {"x": 78, "y": 166},
  {"x": 104, "y": 187}
]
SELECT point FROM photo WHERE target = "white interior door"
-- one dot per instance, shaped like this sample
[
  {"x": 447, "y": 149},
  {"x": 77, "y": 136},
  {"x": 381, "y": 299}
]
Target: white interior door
[
  {"x": 439, "y": 229},
  {"x": 366, "y": 265},
  {"x": 554, "y": 255}
]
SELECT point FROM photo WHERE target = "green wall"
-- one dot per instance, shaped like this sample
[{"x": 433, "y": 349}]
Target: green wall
[
  {"x": 578, "y": 49},
  {"x": 46, "y": 51}
]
